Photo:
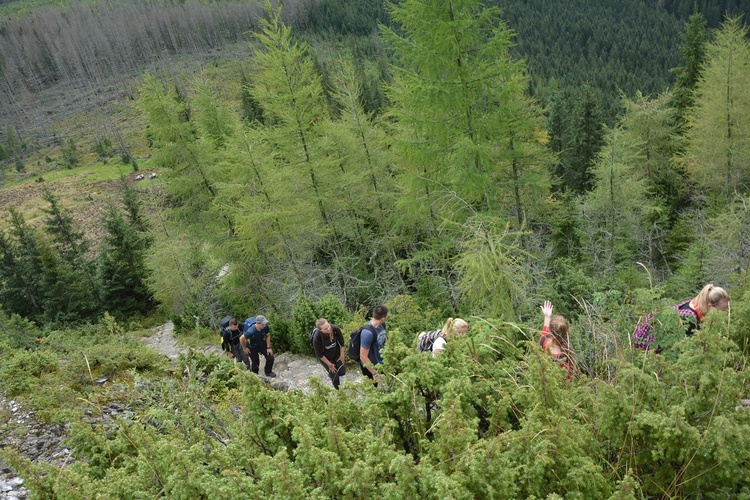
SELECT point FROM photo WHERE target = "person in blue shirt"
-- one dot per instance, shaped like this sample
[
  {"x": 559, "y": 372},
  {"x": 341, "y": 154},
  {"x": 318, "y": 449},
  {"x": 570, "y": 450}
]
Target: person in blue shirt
[
  {"x": 257, "y": 340},
  {"x": 372, "y": 339}
]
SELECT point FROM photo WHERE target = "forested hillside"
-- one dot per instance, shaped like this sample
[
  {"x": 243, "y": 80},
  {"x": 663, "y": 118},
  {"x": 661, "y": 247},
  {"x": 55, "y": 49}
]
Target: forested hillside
[
  {"x": 63, "y": 60},
  {"x": 304, "y": 172}
]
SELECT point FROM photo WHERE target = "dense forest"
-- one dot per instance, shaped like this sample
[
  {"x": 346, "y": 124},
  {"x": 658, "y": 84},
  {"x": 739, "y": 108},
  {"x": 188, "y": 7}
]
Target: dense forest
[{"x": 440, "y": 157}]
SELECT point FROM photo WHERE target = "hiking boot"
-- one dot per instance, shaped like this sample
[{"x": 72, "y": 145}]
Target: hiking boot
[{"x": 270, "y": 374}]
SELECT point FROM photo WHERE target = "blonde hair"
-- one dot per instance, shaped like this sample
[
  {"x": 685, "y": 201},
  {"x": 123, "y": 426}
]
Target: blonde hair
[
  {"x": 710, "y": 296},
  {"x": 451, "y": 325},
  {"x": 321, "y": 322},
  {"x": 560, "y": 330}
]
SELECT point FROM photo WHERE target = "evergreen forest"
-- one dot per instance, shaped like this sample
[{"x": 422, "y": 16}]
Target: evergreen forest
[{"x": 316, "y": 158}]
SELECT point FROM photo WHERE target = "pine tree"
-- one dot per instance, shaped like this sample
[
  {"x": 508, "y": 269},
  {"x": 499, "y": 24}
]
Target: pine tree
[
  {"x": 21, "y": 270},
  {"x": 290, "y": 90},
  {"x": 587, "y": 139},
  {"x": 458, "y": 99}
]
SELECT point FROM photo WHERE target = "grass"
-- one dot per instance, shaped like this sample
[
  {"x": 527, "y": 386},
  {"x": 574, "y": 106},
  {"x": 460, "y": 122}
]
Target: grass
[{"x": 71, "y": 187}]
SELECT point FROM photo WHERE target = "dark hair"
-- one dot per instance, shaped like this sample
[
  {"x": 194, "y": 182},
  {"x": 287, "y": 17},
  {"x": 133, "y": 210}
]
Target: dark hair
[
  {"x": 379, "y": 312},
  {"x": 233, "y": 322}
]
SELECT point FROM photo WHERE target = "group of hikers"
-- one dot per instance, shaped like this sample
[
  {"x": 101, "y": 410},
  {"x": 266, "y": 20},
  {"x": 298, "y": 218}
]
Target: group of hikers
[
  {"x": 247, "y": 342},
  {"x": 555, "y": 339}
]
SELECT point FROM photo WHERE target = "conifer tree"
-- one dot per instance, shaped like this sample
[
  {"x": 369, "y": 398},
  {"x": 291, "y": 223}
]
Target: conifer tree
[
  {"x": 122, "y": 270},
  {"x": 693, "y": 50},
  {"x": 718, "y": 149},
  {"x": 615, "y": 208},
  {"x": 21, "y": 292},
  {"x": 176, "y": 150},
  {"x": 71, "y": 245},
  {"x": 651, "y": 123},
  {"x": 458, "y": 99},
  {"x": 290, "y": 90},
  {"x": 587, "y": 139}
]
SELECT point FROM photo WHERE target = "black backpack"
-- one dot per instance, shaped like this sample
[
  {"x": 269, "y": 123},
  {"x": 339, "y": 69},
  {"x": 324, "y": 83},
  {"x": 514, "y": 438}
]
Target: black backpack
[
  {"x": 426, "y": 340},
  {"x": 226, "y": 334},
  {"x": 311, "y": 336},
  {"x": 355, "y": 340},
  {"x": 225, "y": 322}
]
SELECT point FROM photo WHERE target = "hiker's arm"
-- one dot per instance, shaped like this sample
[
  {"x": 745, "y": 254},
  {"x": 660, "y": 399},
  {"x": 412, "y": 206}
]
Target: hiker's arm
[
  {"x": 342, "y": 345},
  {"x": 268, "y": 344},
  {"x": 547, "y": 311},
  {"x": 364, "y": 357},
  {"x": 243, "y": 343}
]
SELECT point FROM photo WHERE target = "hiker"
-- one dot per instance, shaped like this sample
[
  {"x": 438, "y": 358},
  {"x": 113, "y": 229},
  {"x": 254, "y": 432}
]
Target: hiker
[
  {"x": 555, "y": 340},
  {"x": 231, "y": 342},
  {"x": 452, "y": 327},
  {"x": 328, "y": 342},
  {"x": 691, "y": 311},
  {"x": 257, "y": 340},
  {"x": 372, "y": 339}
]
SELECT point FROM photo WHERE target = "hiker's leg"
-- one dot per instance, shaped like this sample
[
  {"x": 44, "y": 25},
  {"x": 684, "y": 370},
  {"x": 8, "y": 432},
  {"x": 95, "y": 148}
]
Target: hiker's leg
[
  {"x": 255, "y": 361},
  {"x": 240, "y": 356},
  {"x": 269, "y": 362}
]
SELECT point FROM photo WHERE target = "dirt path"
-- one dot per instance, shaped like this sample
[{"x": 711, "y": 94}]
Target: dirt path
[{"x": 293, "y": 371}]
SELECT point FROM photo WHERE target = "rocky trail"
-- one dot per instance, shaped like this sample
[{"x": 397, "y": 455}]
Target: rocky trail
[{"x": 39, "y": 441}]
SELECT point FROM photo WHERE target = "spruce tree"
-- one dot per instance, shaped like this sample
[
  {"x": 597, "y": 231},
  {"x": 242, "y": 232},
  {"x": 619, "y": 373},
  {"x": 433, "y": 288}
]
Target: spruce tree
[
  {"x": 122, "y": 269},
  {"x": 71, "y": 245},
  {"x": 693, "y": 50}
]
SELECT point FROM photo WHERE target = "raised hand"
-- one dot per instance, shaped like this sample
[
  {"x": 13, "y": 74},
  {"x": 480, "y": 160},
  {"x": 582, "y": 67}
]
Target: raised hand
[{"x": 547, "y": 309}]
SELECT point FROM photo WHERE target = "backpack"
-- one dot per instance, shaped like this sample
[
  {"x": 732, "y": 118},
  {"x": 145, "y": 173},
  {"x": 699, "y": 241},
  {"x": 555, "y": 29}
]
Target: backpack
[
  {"x": 426, "y": 340},
  {"x": 249, "y": 322},
  {"x": 225, "y": 334},
  {"x": 355, "y": 340},
  {"x": 225, "y": 322},
  {"x": 311, "y": 336}
]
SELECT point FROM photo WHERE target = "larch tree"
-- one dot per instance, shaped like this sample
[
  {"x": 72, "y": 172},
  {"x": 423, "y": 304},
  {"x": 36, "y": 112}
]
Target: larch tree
[
  {"x": 615, "y": 209},
  {"x": 718, "y": 149},
  {"x": 458, "y": 97},
  {"x": 469, "y": 141}
]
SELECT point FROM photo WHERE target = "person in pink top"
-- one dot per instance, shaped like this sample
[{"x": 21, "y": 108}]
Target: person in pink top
[{"x": 691, "y": 315}]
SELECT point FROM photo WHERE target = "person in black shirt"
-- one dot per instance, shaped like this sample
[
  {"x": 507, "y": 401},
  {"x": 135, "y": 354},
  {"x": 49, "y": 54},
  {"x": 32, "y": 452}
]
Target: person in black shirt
[
  {"x": 231, "y": 336},
  {"x": 328, "y": 343}
]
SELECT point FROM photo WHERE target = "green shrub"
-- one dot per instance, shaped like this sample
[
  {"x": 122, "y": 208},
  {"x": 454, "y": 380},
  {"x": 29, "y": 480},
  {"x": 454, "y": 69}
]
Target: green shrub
[
  {"x": 18, "y": 332},
  {"x": 20, "y": 371},
  {"x": 108, "y": 360}
]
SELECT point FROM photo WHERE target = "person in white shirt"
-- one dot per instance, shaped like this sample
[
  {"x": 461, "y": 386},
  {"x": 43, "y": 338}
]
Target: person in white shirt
[{"x": 452, "y": 327}]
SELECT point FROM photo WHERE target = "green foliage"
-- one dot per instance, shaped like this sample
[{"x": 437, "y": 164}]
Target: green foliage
[
  {"x": 70, "y": 156},
  {"x": 121, "y": 269},
  {"x": 718, "y": 151},
  {"x": 103, "y": 147},
  {"x": 18, "y": 332},
  {"x": 484, "y": 419},
  {"x": 20, "y": 370}
]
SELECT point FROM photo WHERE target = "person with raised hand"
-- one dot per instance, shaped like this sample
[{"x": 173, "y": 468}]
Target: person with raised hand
[{"x": 555, "y": 339}]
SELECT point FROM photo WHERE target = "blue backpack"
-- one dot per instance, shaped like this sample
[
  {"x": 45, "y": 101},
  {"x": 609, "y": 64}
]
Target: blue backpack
[{"x": 249, "y": 322}]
